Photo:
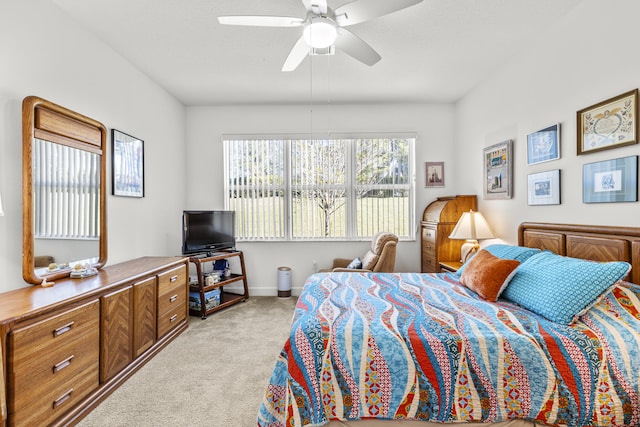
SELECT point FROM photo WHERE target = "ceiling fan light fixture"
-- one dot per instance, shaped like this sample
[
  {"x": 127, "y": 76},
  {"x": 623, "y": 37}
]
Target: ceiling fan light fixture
[{"x": 320, "y": 33}]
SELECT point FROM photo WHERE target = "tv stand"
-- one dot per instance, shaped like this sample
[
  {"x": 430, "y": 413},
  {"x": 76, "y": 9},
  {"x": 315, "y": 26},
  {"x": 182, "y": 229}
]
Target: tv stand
[
  {"x": 202, "y": 255},
  {"x": 226, "y": 298}
]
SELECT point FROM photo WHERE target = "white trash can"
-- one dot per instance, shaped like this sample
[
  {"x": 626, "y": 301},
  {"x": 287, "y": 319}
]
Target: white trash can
[{"x": 284, "y": 282}]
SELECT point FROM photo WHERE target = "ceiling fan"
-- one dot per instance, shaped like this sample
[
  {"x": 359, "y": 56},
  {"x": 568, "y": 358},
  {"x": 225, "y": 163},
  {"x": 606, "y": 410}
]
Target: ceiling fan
[{"x": 323, "y": 28}]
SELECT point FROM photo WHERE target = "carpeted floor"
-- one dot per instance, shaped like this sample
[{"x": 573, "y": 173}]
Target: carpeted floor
[{"x": 214, "y": 374}]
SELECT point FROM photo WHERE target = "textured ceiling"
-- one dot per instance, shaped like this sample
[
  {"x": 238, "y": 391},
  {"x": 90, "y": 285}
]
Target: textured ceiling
[{"x": 435, "y": 51}]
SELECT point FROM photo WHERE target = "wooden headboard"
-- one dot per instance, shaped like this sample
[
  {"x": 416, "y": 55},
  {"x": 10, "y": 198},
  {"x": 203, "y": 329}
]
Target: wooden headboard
[{"x": 593, "y": 242}]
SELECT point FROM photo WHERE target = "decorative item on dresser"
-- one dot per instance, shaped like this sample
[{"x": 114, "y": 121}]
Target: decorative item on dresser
[
  {"x": 69, "y": 346},
  {"x": 438, "y": 221}
]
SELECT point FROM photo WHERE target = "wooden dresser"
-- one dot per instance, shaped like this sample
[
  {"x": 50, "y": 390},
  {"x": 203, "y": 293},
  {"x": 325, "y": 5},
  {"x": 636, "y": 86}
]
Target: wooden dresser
[
  {"x": 69, "y": 346},
  {"x": 438, "y": 221}
]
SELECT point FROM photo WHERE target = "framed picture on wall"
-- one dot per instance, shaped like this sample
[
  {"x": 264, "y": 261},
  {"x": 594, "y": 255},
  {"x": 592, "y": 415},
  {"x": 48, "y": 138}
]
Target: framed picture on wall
[
  {"x": 434, "y": 174},
  {"x": 609, "y": 124},
  {"x": 543, "y": 188},
  {"x": 127, "y": 172},
  {"x": 498, "y": 170},
  {"x": 543, "y": 145},
  {"x": 610, "y": 181}
]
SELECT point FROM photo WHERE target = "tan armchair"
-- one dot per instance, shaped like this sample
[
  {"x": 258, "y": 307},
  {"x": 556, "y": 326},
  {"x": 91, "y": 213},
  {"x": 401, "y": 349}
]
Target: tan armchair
[{"x": 380, "y": 258}]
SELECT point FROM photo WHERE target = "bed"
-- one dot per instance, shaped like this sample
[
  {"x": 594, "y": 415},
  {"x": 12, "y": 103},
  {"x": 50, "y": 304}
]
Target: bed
[{"x": 560, "y": 345}]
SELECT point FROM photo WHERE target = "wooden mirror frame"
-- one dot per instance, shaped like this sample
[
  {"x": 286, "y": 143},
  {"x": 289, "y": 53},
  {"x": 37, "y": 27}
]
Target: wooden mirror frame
[{"x": 48, "y": 121}]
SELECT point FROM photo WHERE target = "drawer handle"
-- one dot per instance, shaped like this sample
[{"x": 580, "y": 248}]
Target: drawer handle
[
  {"x": 59, "y": 401},
  {"x": 63, "y": 364},
  {"x": 173, "y": 278},
  {"x": 173, "y": 298},
  {"x": 173, "y": 318},
  {"x": 63, "y": 329}
]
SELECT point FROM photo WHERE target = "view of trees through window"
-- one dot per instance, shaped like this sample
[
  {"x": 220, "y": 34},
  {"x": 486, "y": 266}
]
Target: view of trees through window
[{"x": 339, "y": 188}]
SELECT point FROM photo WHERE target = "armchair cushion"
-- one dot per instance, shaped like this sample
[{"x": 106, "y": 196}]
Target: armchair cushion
[{"x": 369, "y": 260}]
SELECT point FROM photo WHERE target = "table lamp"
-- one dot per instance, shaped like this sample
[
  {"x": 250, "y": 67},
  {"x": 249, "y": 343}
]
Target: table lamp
[{"x": 471, "y": 227}]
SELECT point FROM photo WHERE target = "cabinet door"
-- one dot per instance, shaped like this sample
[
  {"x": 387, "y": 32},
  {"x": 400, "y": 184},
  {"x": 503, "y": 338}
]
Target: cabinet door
[
  {"x": 116, "y": 323},
  {"x": 144, "y": 315},
  {"x": 448, "y": 249}
]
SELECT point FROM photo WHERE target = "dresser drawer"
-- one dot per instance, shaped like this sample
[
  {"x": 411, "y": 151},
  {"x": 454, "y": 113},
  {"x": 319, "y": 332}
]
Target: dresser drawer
[
  {"x": 169, "y": 320},
  {"x": 31, "y": 342},
  {"x": 57, "y": 365},
  {"x": 429, "y": 234},
  {"x": 175, "y": 296},
  {"x": 429, "y": 264},
  {"x": 170, "y": 279},
  {"x": 53, "y": 364},
  {"x": 55, "y": 399}
]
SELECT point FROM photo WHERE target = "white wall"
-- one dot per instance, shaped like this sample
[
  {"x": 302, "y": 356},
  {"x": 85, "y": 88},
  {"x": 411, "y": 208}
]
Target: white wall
[
  {"x": 205, "y": 126},
  {"x": 588, "y": 57},
  {"x": 45, "y": 53}
]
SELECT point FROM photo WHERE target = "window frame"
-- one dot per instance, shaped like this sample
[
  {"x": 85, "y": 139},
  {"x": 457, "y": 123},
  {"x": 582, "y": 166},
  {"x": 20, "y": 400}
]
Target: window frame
[{"x": 351, "y": 185}]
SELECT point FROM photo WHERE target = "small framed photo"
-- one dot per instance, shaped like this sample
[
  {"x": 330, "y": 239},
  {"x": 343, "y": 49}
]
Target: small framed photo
[
  {"x": 544, "y": 188},
  {"x": 610, "y": 181},
  {"x": 609, "y": 124},
  {"x": 434, "y": 174},
  {"x": 127, "y": 172},
  {"x": 543, "y": 145},
  {"x": 498, "y": 170}
]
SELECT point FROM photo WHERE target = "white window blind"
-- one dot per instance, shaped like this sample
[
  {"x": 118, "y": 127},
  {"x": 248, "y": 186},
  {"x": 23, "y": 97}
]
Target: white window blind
[
  {"x": 255, "y": 185},
  {"x": 332, "y": 188},
  {"x": 66, "y": 184}
]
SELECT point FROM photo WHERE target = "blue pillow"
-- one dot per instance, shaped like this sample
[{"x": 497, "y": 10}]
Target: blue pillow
[
  {"x": 517, "y": 253},
  {"x": 562, "y": 288},
  {"x": 356, "y": 264}
]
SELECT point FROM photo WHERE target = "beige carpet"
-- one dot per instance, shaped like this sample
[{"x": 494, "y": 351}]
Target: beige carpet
[{"x": 214, "y": 374}]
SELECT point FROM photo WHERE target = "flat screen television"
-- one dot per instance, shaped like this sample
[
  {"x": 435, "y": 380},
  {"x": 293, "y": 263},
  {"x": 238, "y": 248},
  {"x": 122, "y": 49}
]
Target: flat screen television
[{"x": 207, "y": 231}]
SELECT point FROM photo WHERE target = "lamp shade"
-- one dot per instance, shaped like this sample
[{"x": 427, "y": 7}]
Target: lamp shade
[{"x": 472, "y": 226}]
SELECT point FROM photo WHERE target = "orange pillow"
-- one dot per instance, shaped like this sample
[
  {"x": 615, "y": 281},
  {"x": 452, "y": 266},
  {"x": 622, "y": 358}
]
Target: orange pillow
[{"x": 488, "y": 275}]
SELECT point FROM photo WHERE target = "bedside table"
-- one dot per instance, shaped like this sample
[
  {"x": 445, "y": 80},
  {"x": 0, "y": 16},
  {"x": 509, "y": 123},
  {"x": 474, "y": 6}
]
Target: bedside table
[{"x": 450, "y": 266}]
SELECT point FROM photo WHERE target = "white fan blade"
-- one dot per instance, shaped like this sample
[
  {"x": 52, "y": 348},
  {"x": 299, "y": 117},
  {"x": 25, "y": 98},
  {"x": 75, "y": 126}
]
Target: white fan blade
[
  {"x": 364, "y": 10},
  {"x": 296, "y": 56},
  {"x": 318, "y": 7},
  {"x": 261, "y": 21},
  {"x": 356, "y": 47}
]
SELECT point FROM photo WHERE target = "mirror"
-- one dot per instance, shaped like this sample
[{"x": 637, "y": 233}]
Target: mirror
[{"x": 64, "y": 211}]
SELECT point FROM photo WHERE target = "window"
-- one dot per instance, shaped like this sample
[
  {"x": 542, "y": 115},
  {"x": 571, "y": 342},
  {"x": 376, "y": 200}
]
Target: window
[{"x": 339, "y": 188}]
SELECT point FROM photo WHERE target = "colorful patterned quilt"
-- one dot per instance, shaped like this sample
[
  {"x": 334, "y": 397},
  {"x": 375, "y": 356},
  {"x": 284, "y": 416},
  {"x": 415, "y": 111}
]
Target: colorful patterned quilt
[{"x": 423, "y": 347}]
